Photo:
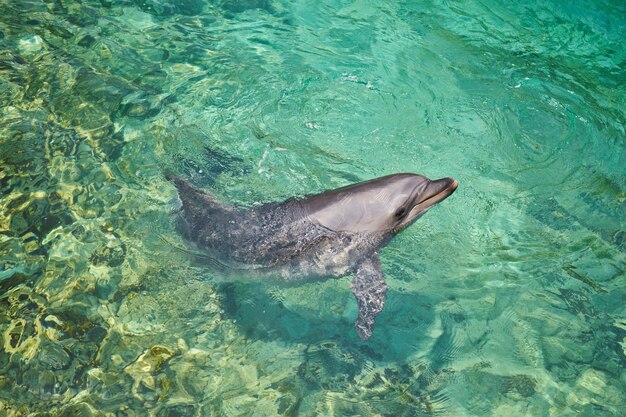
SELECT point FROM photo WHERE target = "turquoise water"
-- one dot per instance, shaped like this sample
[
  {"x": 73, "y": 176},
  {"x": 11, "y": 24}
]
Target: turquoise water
[{"x": 508, "y": 299}]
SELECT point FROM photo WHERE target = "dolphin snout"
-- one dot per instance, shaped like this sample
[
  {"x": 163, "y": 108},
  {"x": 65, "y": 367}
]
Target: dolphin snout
[
  {"x": 446, "y": 182},
  {"x": 437, "y": 191},
  {"x": 443, "y": 187}
]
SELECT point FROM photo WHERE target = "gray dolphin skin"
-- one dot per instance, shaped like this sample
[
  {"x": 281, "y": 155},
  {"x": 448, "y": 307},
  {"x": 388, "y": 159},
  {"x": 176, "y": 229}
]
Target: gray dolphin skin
[{"x": 330, "y": 234}]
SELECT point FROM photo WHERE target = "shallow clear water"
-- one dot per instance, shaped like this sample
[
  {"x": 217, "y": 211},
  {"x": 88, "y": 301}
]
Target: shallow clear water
[{"x": 507, "y": 299}]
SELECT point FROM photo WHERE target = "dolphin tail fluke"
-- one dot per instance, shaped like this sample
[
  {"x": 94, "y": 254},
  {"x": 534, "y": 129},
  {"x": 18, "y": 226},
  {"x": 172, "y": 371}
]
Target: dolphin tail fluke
[
  {"x": 181, "y": 184},
  {"x": 369, "y": 289},
  {"x": 192, "y": 196},
  {"x": 197, "y": 205}
]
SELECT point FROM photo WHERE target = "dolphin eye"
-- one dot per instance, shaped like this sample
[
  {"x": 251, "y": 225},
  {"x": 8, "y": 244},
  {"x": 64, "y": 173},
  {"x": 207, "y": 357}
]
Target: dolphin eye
[{"x": 400, "y": 213}]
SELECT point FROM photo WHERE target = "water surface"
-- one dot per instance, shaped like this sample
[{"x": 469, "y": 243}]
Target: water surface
[{"x": 507, "y": 299}]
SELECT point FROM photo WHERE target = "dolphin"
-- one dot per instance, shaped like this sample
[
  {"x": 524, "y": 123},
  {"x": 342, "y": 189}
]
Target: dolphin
[{"x": 330, "y": 234}]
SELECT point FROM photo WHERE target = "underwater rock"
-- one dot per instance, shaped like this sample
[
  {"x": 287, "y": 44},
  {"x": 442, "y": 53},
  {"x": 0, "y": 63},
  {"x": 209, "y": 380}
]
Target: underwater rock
[
  {"x": 10, "y": 279},
  {"x": 593, "y": 387},
  {"x": 28, "y": 217},
  {"x": 111, "y": 254},
  {"x": 327, "y": 366},
  {"x": 96, "y": 334},
  {"x": 86, "y": 41},
  {"x": 81, "y": 409},
  {"x": 23, "y": 329},
  {"x": 82, "y": 16},
  {"x": 31, "y": 44},
  {"x": 144, "y": 368},
  {"x": 52, "y": 356},
  {"x": 143, "y": 104},
  {"x": 47, "y": 382},
  {"x": 593, "y": 381},
  {"x": 191, "y": 373},
  {"x": 177, "y": 411},
  {"x": 522, "y": 385}
]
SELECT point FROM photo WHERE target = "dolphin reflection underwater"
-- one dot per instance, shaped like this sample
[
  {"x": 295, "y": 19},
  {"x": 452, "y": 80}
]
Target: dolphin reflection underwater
[{"x": 324, "y": 235}]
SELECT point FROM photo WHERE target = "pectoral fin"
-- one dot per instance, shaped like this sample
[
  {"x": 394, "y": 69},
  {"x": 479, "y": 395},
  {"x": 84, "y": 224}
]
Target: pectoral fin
[{"x": 369, "y": 288}]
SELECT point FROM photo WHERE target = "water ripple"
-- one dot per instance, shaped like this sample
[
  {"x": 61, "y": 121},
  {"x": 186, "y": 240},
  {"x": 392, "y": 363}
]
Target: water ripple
[{"x": 507, "y": 301}]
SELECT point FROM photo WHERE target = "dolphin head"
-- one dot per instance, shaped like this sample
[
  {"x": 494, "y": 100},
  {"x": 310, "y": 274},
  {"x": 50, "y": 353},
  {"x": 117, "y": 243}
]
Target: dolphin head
[{"x": 385, "y": 205}]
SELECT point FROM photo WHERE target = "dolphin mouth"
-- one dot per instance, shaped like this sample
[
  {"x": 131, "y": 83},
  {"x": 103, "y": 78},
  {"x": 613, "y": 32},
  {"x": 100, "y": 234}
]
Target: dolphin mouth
[{"x": 436, "y": 191}]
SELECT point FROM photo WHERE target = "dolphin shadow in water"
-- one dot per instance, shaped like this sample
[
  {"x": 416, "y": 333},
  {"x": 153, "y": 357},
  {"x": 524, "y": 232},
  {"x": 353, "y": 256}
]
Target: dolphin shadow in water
[
  {"x": 260, "y": 314},
  {"x": 324, "y": 235}
]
